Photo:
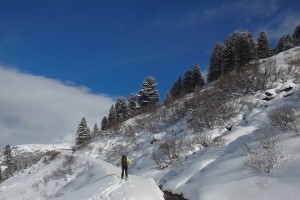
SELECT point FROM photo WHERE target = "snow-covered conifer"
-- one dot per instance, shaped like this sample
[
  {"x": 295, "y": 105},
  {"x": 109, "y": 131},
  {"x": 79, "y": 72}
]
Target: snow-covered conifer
[
  {"x": 121, "y": 108},
  {"x": 104, "y": 123},
  {"x": 285, "y": 43},
  {"x": 83, "y": 133},
  {"x": 112, "y": 115},
  {"x": 229, "y": 63},
  {"x": 245, "y": 49},
  {"x": 240, "y": 49},
  {"x": 8, "y": 160},
  {"x": 148, "y": 95},
  {"x": 132, "y": 104},
  {"x": 263, "y": 46},
  {"x": 95, "y": 130}
]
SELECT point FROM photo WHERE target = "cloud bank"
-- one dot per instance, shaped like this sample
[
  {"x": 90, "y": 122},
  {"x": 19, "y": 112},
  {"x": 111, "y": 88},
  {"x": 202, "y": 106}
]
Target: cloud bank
[{"x": 36, "y": 109}]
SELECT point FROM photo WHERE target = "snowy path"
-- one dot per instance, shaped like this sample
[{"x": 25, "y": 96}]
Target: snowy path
[
  {"x": 105, "y": 195},
  {"x": 100, "y": 182}
]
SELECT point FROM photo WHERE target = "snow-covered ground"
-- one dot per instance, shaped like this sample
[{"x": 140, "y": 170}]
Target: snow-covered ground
[
  {"x": 92, "y": 179},
  {"x": 216, "y": 172}
]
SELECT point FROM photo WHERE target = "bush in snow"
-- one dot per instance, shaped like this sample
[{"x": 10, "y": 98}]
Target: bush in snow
[
  {"x": 267, "y": 155},
  {"x": 167, "y": 153},
  {"x": 263, "y": 160},
  {"x": 68, "y": 163},
  {"x": 175, "y": 150},
  {"x": 158, "y": 120},
  {"x": 266, "y": 139},
  {"x": 203, "y": 139},
  {"x": 214, "y": 108},
  {"x": 66, "y": 168},
  {"x": 285, "y": 118},
  {"x": 293, "y": 70},
  {"x": 219, "y": 140},
  {"x": 247, "y": 80},
  {"x": 249, "y": 103},
  {"x": 53, "y": 155}
]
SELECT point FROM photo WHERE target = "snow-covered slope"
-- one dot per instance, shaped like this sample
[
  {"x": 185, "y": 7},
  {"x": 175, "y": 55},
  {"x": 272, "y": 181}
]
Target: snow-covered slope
[
  {"x": 215, "y": 172},
  {"x": 91, "y": 179}
]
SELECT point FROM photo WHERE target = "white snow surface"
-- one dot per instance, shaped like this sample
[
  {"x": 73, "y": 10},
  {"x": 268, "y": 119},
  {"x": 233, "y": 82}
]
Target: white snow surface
[
  {"x": 212, "y": 173},
  {"x": 93, "y": 179}
]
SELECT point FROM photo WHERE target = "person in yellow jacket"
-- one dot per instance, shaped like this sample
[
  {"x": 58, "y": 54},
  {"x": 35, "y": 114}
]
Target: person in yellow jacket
[{"x": 124, "y": 161}]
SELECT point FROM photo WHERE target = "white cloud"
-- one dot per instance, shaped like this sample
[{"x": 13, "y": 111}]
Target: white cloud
[
  {"x": 283, "y": 25},
  {"x": 244, "y": 9},
  {"x": 36, "y": 109}
]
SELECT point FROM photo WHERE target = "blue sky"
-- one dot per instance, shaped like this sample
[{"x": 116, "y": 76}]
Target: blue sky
[{"x": 111, "y": 46}]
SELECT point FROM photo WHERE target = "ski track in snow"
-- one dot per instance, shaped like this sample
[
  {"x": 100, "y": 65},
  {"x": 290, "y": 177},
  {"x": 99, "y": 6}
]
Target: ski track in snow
[{"x": 105, "y": 195}]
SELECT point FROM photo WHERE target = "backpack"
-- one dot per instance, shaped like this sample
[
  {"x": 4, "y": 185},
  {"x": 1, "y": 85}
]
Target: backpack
[{"x": 124, "y": 160}]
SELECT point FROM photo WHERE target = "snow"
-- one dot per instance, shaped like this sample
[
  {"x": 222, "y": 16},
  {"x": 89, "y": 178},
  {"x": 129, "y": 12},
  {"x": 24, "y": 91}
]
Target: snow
[
  {"x": 42, "y": 147},
  {"x": 215, "y": 172},
  {"x": 92, "y": 179}
]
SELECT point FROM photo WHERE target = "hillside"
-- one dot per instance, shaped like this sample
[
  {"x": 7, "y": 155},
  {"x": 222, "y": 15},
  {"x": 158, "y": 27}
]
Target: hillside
[{"x": 234, "y": 165}]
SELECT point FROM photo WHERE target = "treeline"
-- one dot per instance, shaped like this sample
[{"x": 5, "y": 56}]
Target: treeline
[
  {"x": 146, "y": 99},
  {"x": 239, "y": 49},
  {"x": 17, "y": 161},
  {"x": 8, "y": 161}
]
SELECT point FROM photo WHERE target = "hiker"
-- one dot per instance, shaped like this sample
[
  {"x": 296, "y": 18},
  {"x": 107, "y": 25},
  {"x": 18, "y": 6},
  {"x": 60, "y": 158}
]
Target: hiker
[{"x": 124, "y": 161}]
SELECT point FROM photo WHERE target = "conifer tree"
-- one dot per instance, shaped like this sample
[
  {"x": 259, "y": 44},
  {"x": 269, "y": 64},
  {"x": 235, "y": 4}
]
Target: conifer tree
[
  {"x": 187, "y": 84},
  {"x": 245, "y": 49},
  {"x": 83, "y": 133},
  {"x": 176, "y": 89},
  {"x": 121, "y": 108},
  {"x": 1, "y": 177},
  {"x": 197, "y": 79},
  {"x": 8, "y": 160},
  {"x": 285, "y": 43},
  {"x": 104, "y": 123},
  {"x": 132, "y": 104},
  {"x": 229, "y": 63},
  {"x": 95, "y": 131},
  {"x": 148, "y": 95},
  {"x": 168, "y": 98},
  {"x": 216, "y": 61},
  {"x": 112, "y": 115},
  {"x": 263, "y": 46},
  {"x": 296, "y": 36},
  {"x": 240, "y": 49}
]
